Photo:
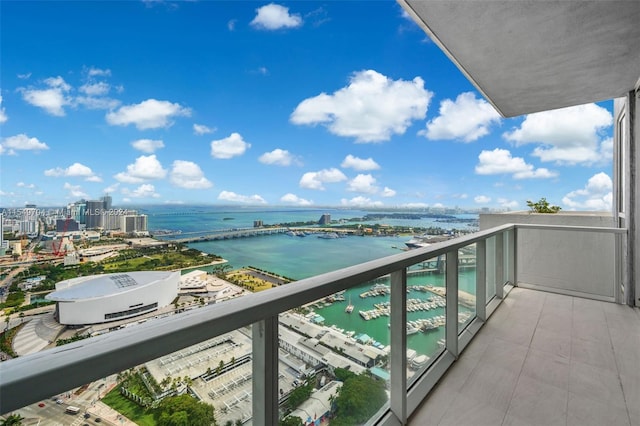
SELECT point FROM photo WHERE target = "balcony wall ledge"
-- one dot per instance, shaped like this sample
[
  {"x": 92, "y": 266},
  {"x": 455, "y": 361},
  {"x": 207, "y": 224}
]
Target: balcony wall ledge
[{"x": 566, "y": 261}]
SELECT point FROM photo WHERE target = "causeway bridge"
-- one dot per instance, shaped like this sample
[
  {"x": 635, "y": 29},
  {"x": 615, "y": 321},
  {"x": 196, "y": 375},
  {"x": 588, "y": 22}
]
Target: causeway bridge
[{"x": 228, "y": 234}]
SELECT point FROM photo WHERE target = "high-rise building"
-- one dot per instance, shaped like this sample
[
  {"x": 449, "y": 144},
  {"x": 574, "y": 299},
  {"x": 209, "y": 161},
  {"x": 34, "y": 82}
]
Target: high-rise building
[
  {"x": 325, "y": 219},
  {"x": 29, "y": 220},
  {"x": 107, "y": 201},
  {"x": 2, "y": 247},
  {"x": 93, "y": 214},
  {"x": 111, "y": 221},
  {"x": 67, "y": 225},
  {"x": 76, "y": 211},
  {"x": 134, "y": 223}
]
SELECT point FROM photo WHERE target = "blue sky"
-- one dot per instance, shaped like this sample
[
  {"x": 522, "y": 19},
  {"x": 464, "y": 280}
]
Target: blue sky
[{"x": 254, "y": 103}]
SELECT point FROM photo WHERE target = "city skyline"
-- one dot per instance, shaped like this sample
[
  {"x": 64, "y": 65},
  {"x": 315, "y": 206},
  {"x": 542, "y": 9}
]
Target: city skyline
[{"x": 270, "y": 104}]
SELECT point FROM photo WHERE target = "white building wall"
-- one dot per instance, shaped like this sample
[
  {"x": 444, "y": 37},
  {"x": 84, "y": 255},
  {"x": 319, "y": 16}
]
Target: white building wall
[{"x": 572, "y": 262}]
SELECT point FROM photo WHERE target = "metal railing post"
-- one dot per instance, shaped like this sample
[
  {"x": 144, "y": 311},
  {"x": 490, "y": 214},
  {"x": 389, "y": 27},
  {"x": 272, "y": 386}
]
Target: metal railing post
[
  {"x": 499, "y": 265},
  {"x": 481, "y": 280},
  {"x": 512, "y": 241},
  {"x": 398, "y": 320},
  {"x": 265, "y": 372},
  {"x": 451, "y": 332}
]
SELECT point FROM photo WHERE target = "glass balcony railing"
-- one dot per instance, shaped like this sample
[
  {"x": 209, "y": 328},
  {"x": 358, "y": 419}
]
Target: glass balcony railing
[{"x": 404, "y": 320}]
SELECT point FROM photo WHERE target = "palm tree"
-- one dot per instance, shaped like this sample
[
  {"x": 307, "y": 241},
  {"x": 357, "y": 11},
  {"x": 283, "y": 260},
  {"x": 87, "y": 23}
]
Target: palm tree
[{"x": 13, "y": 419}]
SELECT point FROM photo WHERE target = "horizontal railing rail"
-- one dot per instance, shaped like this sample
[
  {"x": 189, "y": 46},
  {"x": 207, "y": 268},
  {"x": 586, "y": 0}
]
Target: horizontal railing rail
[{"x": 34, "y": 377}]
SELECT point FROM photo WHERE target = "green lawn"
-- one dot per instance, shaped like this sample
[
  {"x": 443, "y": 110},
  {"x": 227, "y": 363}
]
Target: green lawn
[
  {"x": 129, "y": 409},
  {"x": 132, "y": 264}
]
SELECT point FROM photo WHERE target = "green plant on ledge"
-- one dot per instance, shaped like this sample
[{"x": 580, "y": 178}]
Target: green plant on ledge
[{"x": 542, "y": 206}]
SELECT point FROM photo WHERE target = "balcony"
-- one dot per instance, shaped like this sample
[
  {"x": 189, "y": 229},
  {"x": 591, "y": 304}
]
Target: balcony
[
  {"x": 544, "y": 359},
  {"x": 508, "y": 355}
]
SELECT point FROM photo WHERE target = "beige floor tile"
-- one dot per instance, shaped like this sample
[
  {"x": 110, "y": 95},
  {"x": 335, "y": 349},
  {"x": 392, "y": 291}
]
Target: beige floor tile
[
  {"x": 538, "y": 403},
  {"x": 550, "y": 369},
  {"x": 587, "y": 412}
]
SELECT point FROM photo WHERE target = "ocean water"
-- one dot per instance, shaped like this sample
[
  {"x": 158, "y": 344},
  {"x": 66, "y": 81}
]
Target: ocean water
[
  {"x": 201, "y": 219},
  {"x": 302, "y": 257}
]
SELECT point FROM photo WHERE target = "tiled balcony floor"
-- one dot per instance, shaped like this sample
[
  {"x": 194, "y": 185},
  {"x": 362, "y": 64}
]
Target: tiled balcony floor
[{"x": 544, "y": 359}]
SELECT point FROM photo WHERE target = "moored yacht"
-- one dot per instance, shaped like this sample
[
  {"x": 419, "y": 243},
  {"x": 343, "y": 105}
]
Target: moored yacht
[{"x": 418, "y": 241}]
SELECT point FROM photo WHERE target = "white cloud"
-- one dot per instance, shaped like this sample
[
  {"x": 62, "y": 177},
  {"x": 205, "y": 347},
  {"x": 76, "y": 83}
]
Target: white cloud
[
  {"x": 508, "y": 204},
  {"x": 75, "y": 191},
  {"x": 74, "y": 170},
  {"x": 187, "y": 174},
  {"x": 388, "y": 192},
  {"x": 315, "y": 180},
  {"x": 415, "y": 205},
  {"x": 144, "y": 168},
  {"x": 500, "y": 161},
  {"x": 237, "y": 198},
  {"x": 371, "y": 108},
  {"x": 148, "y": 146},
  {"x": 597, "y": 194},
  {"x": 201, "y": 129},
  {"x": 93, "y": 178},
  {"x": 360, "y": 202},
  {"x": 97, "y": 72},
  {"x": 274, "y": 16},
  {"x": 21, "y": 142},
  {"x": 363, "y": 183},
  {"x": 606, "y": 149},
  {"x": 231, "y": 25},
  {"x": 467, "y": 119},
  {"x": 149, "y": 114},
  {"x": 482, "y": 199},
  {"x": 25, "y": 185},
  {"x": 52, "y": 100},
  {"x": 97, "y": 103},
  {"x": 359, "y": 164},
  {"x": 294, "y": 199},
  {"x": 98, "y": 88},
  {"x": 229, "y": 147},
  {"x": 278, "y": 157},
  {"x": 3, "y": 116},
  {"x": 143, "y": 191},
  {"x": 568, "y": 135},
  {"x": 111, "y": 188}
]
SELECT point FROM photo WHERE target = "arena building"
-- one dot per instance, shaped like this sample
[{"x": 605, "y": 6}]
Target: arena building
[{"x": 111, "y": 297}]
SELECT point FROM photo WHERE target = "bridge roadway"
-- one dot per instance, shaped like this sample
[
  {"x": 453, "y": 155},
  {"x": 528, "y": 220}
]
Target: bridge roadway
[{"x": 227, "y": 234}]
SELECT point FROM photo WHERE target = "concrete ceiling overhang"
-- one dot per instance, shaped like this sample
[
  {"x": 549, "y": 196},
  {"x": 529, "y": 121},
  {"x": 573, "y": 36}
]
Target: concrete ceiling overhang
[{"x": 537, "y": 55}]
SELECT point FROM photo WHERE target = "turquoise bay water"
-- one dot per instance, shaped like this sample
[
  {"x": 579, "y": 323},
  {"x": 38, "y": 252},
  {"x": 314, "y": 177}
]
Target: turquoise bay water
[{"x": 302, "y": 257}]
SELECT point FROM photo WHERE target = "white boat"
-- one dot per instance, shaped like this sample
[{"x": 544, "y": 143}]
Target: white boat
[
  {"x": 349, "y": 307},
  {"x": 419, "y": 362},
  {"x": 418, "y": 241},
  {"x": 329, "y": 235},
  {"x": 411, "y": 330}
]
